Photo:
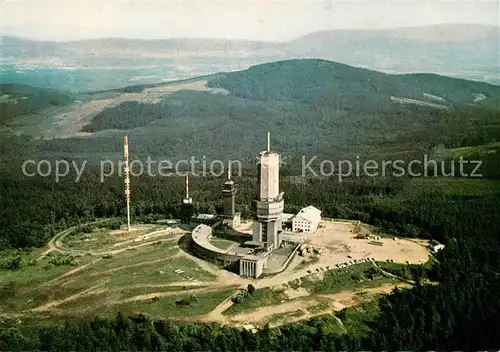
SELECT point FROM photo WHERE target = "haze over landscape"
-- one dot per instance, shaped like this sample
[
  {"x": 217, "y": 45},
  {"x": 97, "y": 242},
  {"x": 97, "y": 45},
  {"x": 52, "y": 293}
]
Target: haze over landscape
[
  {"x": 248, "y": 20},
  {"x": 302, "y": 246},
  {"x": 92, "y": 46}
]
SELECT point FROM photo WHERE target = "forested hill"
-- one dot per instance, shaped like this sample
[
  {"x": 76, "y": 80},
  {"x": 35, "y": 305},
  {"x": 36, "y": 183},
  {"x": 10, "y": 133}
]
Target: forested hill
[
  {"x": 311, "y": 107},
  {"x": 326, "y": 82}
]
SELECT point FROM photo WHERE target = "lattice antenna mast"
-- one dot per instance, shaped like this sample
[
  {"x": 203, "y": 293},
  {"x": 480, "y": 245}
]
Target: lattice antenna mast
[
  {"x": 187, "y": 200},
  {"x": 127, "y": 179}
]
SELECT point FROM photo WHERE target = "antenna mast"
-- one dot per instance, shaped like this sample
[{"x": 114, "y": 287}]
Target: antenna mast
[
  {"x": 187, "y": 200},
  {"x": 268, "y": 142},
  {"x": 127, "y": 180}
]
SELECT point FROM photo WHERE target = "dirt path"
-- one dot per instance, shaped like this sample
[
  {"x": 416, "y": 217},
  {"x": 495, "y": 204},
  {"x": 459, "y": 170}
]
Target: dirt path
[
  {"x": 149, "y": 237},
  {"x": 149, "y": 296},
  {"x": 71, "y": 272},
  {"x": 257, "y": 316},
  {"x": 47, "y": 306},
  {"x": 336, "y": 301},
  {"x": 128, "y": 266},
  {"x": 56, "y": 243},
  {"x": 216, "y": 314},
  {"x": 178, "y": 284},
  {"x": 45, "y": 253}
]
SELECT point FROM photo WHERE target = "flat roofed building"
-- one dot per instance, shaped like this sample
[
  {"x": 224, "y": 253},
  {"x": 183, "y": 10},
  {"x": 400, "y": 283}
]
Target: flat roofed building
[
  {"x": 207, "y": 219},
  {"x": 307, "y": 220},
  {"x": 252, "y": 266}
]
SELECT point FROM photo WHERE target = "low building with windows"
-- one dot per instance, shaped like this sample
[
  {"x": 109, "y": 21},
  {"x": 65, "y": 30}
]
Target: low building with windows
[{"x": 306, "y": 220}]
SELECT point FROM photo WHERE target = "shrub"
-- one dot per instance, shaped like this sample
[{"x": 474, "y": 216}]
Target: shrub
[
  {"x": 250, "y": 289},
  {"x": 186, "y": 301},
  {"x": 66, "y": 260},
  {"x": 114, "y": 225},
  {"x": 87, "y": 228},
  {"x": 295, "y": 284},
  {"x": 240, "y": 297},
  {"x": 11, "y": 263}
]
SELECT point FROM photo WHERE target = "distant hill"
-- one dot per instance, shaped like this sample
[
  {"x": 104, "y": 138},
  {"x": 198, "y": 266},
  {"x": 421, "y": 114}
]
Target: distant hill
[
  {"x": 326, "y": 82},
  {"x": 464, "y": 51},
  {"x": 311, "y": 107},
  {"x": 451, "y": 32},
  {"x": 456, "y": 50}
]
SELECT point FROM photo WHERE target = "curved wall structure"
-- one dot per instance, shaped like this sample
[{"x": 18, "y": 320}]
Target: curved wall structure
[{"x": 250, "y": 265}]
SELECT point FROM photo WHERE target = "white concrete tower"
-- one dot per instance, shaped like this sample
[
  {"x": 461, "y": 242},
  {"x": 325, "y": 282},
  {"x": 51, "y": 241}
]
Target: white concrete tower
[{"x": 269, "y": 205}]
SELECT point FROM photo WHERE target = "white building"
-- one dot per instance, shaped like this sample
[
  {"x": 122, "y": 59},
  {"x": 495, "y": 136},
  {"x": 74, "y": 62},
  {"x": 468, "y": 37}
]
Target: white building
[
  {"x": 437, "y": 248},
  {"x": 307, "y": 220}
]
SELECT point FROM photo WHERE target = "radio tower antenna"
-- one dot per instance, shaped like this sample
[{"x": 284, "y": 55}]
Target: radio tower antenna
[
  {"x": 186, "y": 199},
  {"x": 127, "y": 180}
]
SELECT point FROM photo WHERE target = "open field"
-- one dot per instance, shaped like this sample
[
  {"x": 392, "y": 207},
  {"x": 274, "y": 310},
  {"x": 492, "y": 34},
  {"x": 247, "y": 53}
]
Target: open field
[
  {"x": 98, "y": 237},
  {"x": 103, "y": 271}
]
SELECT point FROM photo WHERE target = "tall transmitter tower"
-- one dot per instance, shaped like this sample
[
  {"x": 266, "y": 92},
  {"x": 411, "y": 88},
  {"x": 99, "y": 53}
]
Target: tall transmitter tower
[
  {"x": 127, "y": 179},
  {"x": 269, "y": 203},
  {"x": 187, "y": 199}
]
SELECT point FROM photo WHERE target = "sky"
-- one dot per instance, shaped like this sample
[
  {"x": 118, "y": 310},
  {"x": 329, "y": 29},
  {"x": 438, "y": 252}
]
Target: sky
[{"x": 253, "y": 20}]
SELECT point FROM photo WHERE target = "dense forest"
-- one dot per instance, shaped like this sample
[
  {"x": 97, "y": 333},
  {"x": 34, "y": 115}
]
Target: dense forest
[
  {"x": 17, "y": 100},
  {"x": 460, "y": 312}
]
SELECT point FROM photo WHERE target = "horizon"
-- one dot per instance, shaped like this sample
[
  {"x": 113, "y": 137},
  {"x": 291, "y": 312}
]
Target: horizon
[
  {"x": 253, "y": 40},
  {"x": 48, "y": 20}
]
